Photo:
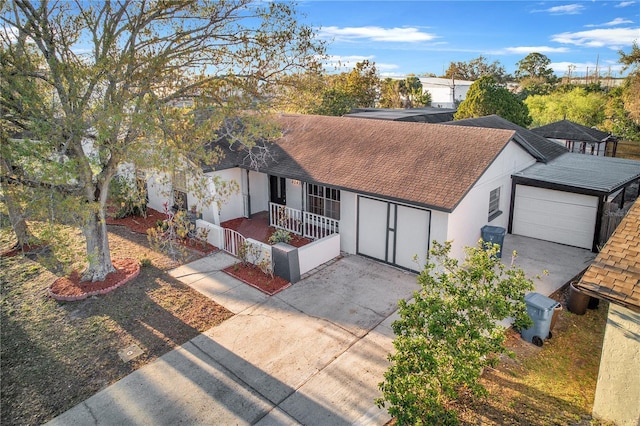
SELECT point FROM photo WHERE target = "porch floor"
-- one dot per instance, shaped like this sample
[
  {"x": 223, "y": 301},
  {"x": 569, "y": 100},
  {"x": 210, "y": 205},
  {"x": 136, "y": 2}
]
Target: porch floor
[{"x": 258, "y": 228}]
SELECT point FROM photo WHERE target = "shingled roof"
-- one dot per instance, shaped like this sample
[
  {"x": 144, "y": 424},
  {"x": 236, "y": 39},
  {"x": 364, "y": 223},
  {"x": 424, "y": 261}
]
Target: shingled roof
[
  {"x": 541, "y": 148},
  {"x": 614, "y": 275},
  {"x": 431, "y": 165},
  {"x": 568, "y": 130}
]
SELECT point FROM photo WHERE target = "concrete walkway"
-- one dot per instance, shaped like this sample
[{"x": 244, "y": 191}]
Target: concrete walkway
[{"x": 312, "y": 354}]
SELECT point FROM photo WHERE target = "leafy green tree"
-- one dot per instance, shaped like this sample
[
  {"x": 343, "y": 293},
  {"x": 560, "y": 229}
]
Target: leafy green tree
[
  {"x": 631, "y": 95},
  {"x": 475, "y": 69},
  {"x": 357, "y": 88},
  {"x": 578, "y": 105},
  {"x": 390, "y": 93},
  {"x": 486, "y": 97},
  {"x": 534, "y": 75},
  {"x": 110, "y": 80},
  {"x": 449, "y": 332},
  {"x": 618, "y": 120}
]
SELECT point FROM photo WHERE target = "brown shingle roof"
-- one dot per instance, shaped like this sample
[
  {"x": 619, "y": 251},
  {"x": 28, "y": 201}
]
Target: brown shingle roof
[
  {"x": 427, "y": 164},
  {"x": 615, "y": 273}
]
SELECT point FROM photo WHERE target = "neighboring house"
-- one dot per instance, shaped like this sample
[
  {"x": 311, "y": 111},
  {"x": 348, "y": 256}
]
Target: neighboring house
[
  {"x": 578, "y": 138},
  {"x": 389, "y": 188},
  {"x": 418, "y": 115},
  {"x": 563, "y": 197},
  {"x": 615, "y": 276},
  {"x": 445, "y": 92}
]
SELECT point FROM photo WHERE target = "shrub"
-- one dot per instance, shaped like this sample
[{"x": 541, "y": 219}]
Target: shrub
[{"x": 280, "y": 236}]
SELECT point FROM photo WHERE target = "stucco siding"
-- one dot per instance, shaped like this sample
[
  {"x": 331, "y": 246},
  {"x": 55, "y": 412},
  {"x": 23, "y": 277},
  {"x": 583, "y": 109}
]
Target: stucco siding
[
  {"x": 618, "y": 391},
  {"x": 234, "y": 207},
  {"x": 348, "y": 220},
  {"x": 472, "y": 213},
  {"x": 259, "y": 191}
]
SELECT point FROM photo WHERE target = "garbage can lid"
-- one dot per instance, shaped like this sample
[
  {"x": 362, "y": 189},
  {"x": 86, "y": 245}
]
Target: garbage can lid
[
  {"x": 493, "y": 230},
  {"x": 539, "y": 301}
]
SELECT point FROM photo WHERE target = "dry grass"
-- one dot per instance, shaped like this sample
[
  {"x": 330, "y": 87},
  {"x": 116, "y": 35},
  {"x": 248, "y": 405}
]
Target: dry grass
[{"x": 56, "y": 354}]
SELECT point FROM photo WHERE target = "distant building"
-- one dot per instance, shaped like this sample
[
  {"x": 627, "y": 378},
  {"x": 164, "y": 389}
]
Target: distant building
[{"x": 445, "y": 92}]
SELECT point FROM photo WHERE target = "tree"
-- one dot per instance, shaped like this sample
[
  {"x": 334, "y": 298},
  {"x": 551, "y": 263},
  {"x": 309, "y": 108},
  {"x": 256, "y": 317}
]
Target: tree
[
  {"x": 407, "y": 93},
  {"x": 631, "y": 95},
  {"x": 578, "y": 105},
  {"x": 534, "y": 75},
  {"x": 119, "y": 102},
  {"x": 475, "y": 69},
  {"x": 486, "y": 97},
  {"x": 357, "y": 88},
  {"x": 449, "y": 332}
]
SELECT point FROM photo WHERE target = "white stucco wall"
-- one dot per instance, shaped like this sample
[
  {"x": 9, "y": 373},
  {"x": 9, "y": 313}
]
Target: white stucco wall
[
  {"x": 234, "y": 208},
  {"x": 617, "y": 397},
  {"x": 295, "y": 190},
  {"x": 472, "y": 213},
  {"x": 259, "y": 191},
  {"x": 445, "y": 92},
  {"x": 348, "y": 220},
  {"x": 159, "y": 191}
]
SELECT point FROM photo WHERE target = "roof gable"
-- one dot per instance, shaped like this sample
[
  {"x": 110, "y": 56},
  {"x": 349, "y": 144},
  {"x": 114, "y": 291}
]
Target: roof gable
[
  {"x": 425, "y": 164},
  {"x": 568, "y": 130},
  {"x": 539, "y": 147}
]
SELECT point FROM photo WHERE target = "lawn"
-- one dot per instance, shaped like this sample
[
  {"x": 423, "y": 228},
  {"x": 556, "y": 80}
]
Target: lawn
[{"x": 56, "y": 354}]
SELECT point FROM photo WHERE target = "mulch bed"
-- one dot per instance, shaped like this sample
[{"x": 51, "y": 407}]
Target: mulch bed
[
  {"x": 26, "y": 248},
  {"x": 141, "y": 224},
  {"x": 72, "y": 288},
  {"x": 250, "y": 274}
]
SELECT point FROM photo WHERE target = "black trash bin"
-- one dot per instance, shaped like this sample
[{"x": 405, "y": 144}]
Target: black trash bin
[{"x": 494, "y": 235}]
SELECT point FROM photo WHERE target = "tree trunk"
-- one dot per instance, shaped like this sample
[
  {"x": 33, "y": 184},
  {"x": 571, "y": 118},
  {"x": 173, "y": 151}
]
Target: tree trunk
[
  {"x": 16, "y": 215},
  {"x": 95, "y": 232}
]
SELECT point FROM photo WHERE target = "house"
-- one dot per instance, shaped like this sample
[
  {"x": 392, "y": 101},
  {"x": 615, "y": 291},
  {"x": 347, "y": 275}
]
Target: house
[
  {"x": 565, "y": 197},
  {"x": 615, "y": 276},
  {"x": 445, "y": 92},
  {"x": 389, "y": 188},
  {"x": 578, "y": 138}
]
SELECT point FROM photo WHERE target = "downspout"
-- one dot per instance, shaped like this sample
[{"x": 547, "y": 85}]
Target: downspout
[
  {"x": 248, "y": 195},
  {"x": 514, "y": 183}
]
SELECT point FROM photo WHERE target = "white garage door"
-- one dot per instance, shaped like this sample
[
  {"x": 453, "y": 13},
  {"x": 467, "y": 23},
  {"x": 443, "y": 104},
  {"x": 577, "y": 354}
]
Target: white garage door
[
  {"x": 393, "y": 233},
  {"x": 558, "y": 216}
]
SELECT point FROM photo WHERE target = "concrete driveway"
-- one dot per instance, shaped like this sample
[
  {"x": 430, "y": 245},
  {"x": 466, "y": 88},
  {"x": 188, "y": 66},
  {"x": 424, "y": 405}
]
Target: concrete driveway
[{"x": 312, "y": 354}]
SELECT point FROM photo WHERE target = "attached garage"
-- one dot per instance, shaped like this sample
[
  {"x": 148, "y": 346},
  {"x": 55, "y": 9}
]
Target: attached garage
[
  {"x": 563, "y": 201},
  {"x": 558, "y": 216},
  {"x": 391, "y": 232}
]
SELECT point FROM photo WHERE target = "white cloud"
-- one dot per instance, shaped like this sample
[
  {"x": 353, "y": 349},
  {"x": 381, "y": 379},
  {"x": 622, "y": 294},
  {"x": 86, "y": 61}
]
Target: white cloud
[
  {"x": 617, "y": 21},
  {"x": 567, "y": 9},
  {"x": 539, "y": 49},
  {"x": 613, "y": 38},
  {"x": 396, "y": 35},
  {"x": 625, "y": 3}
]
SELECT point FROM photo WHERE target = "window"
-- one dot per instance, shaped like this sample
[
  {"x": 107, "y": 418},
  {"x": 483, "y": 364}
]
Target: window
[
  {"x": 323, "y": 201},
  {"x": 494, "y": 204}
]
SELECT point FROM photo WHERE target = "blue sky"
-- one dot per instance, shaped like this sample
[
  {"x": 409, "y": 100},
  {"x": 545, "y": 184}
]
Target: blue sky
[{"x": 424, "y": 36}]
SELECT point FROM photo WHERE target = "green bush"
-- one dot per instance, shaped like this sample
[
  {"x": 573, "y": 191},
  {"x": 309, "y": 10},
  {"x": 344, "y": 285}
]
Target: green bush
[
  {"x": 280, "y": 236},
  {"x": 128, "y": 197}
]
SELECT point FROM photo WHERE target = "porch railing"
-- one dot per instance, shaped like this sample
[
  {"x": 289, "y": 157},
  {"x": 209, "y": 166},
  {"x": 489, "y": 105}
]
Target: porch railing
[
  {"x": 316, "y": 226},
  {"x": 286, "y": 218},
  {"x": 307, "y": 224},
  {"x": 233, "y": 240}
]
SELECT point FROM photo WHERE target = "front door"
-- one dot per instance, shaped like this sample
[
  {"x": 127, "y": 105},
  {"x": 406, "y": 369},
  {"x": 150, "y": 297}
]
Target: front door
[{"x": 278, "y": 189}]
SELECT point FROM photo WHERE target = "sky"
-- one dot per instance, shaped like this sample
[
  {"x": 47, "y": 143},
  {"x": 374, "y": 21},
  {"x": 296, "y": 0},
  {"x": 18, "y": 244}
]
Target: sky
[{"x": 425, "y": 36}]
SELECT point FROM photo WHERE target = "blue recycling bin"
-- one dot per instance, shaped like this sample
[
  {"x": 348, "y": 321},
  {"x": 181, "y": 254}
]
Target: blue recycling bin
[
  {"x": 541, "y": 309},
  {"x": 493, "y": 235}
]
